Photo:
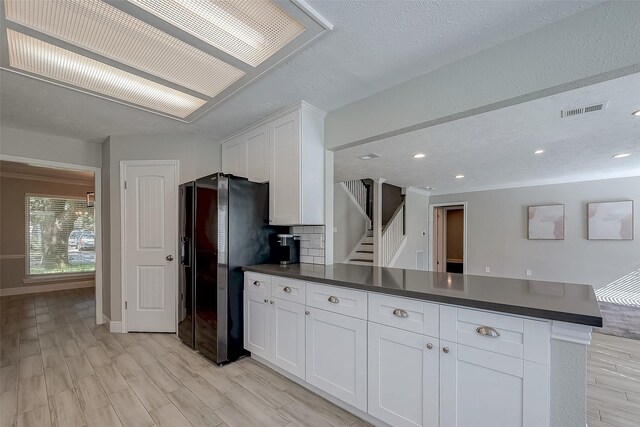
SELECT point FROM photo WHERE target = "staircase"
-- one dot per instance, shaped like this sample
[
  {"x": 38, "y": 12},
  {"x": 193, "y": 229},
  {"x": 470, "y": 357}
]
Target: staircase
[{"x": 363, "y": 253}]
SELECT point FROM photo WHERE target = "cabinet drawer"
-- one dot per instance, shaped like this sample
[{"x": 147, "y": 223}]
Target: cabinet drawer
[
  {"x": 287, "y": 289},
  {"x": 258, "y": 283},
  {"x": 404, "y": 313},
  {"x": 338, "y": 300}
]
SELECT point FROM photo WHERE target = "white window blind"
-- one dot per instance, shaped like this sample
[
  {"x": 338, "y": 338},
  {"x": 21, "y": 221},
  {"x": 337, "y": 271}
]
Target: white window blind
[{"x": 60, "y": 235}]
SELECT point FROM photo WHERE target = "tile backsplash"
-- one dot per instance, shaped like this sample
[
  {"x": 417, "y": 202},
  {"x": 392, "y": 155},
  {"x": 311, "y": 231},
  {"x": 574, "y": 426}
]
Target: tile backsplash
[{"x": 311, "y": 243}]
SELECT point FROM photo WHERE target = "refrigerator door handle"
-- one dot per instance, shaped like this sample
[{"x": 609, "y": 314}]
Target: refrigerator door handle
[{"x": 185, "y": 258}]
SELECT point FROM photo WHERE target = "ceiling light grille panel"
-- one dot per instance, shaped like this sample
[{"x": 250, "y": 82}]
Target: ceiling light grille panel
[
  {"x": 106, "y": 30},
  {"x": 250, "y": 30},
  {"x": 35, "y": 56}
]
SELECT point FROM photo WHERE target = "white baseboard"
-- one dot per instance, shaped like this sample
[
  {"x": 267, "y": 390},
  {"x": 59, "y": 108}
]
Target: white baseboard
[
  {"x": 115, "y": 327},
  {"x": 46, "y": 288}
]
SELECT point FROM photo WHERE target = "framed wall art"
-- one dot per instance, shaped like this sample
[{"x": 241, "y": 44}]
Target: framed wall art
[
  {"x": 546, "y": 222},
  {"x": 610, "y": 220}
]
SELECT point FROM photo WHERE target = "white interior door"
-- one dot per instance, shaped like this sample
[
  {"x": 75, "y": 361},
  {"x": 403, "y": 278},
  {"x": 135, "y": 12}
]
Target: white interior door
[{"x": 150, "y": 235}]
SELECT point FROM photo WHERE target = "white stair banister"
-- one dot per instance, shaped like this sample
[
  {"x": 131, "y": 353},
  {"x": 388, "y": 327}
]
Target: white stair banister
[{"x": 393, "y": 235}]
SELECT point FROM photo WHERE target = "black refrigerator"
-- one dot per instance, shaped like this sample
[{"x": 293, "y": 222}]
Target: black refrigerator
[{"x": 223, "y": 226}]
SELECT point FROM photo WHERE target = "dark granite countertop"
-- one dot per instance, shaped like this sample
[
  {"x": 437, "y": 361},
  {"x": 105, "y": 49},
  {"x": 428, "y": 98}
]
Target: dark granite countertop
[{"x": 566, "y": 302}]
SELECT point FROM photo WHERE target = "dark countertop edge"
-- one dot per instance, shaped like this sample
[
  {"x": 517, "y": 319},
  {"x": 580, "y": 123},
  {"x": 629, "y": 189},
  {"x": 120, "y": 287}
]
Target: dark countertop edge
[{"x": 539, "y": 313}]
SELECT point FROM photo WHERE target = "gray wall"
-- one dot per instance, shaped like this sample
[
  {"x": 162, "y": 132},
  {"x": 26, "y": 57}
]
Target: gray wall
[
  {"x": 12, "y": 225},
  {"x": 497, "y": 233},
  {"x": 349, "y": 222},
  {"x": 417, "y": 219},
  {"x": 197, "y": 156}
]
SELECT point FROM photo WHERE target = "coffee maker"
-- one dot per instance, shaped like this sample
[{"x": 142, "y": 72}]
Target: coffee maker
[{"x": 287, "y": 249}]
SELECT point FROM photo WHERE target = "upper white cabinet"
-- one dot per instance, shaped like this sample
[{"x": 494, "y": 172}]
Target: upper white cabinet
[
  {"x": 286, "y": 150},
  {"x": 234, "y": 157},
  {"x": 258, "y": 154}
]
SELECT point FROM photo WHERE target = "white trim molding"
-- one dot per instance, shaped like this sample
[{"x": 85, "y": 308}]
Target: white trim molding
[
  {"x": 570, "y": 332},
  {"x": 22, "y": 290},
  {"x": 116, "y": 327}
]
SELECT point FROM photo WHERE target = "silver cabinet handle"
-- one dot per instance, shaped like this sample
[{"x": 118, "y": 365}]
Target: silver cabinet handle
[
  {"x": 169, "y": 257},
  {"x": 333, "y": 299},
  {"x": 256, "y": 283},
  {"x": 400, "y": 313},
  {"x": 287, "y": 289},
  {"x": 445, "y": 349},
  {"x": 487, "y": 331},
  {"x": 307, "y": 312},
  {"x": 266, "y": 300},
  {"x": 271, "y": 301},
  {"x": 429, "y": 346}
]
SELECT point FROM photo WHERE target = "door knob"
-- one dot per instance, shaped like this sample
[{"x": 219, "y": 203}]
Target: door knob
[{"x": 169, "y": 257}]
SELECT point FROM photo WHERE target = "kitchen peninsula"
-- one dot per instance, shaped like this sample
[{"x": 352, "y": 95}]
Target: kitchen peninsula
[{"x": 419, "y": 348}]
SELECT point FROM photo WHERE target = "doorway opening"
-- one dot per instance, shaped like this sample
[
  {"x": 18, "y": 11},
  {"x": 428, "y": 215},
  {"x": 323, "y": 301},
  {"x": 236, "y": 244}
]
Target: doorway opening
[
  {"x": 448, "y": 238},
  {"x": 50, "y": 227}
]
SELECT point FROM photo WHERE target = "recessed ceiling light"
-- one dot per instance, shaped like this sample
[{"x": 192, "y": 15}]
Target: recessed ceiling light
[
  {"x": 459, "y": 176},
  {"x": 249, "y": 30},
  {"x": 429, "y": 188},
  {"x": 419, "y": 156},
  {"x": 110, "y": 32},
  {"x": 621, "y": 155},
  {"x": 52, "y": 62},
  {"x": 636, "y": 113},
  {"x": 369, "y": 156},
  {"x": 538, "y": 152}
]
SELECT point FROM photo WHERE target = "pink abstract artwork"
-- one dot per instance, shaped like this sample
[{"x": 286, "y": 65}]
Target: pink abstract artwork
[
  {"x": 611, "y": 220},
  {"x": 546, "y": 222}
]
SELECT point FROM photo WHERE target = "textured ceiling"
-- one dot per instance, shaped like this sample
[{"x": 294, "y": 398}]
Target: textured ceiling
[
  {"x": 495, "y": 149},
  {"x": 374, "y": 45}
]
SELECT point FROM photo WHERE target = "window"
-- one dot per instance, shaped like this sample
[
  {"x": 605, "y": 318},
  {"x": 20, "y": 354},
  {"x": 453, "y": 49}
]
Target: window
[{"x": 60, "y": 235}]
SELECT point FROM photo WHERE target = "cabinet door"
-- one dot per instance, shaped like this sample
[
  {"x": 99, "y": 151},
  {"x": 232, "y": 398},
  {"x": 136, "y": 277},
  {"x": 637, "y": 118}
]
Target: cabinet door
[
  {"x": 403, "y": 377},
  {"x": 336, "y": 352},
  {"x": 287, "y": 336},
  {"x": 234, "y": 157},
  {"x": 284, "y": 171},
  {"x": 479, "y": 388},
  {"x": 258, "y": 154},
  {"x": 256, "y": 324}
]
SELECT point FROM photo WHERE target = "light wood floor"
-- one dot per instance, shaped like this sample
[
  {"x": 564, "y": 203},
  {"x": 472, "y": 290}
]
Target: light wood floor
[{"x": 59, "y": 368}]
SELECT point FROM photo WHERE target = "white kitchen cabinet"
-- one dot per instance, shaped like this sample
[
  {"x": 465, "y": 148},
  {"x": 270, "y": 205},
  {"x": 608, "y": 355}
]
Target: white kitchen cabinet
[
  {"x": 258, "y": 154},
  {"x": 403, "y": 377},
  {"x": 257, "y": 337},
  {"x": 234, "y": 157},
  {"x": 480, "y": 388},
  {"x": 336, "y": 356},
  {"x": 287, "y": 325},
  {"x": 296, "y": 172}
]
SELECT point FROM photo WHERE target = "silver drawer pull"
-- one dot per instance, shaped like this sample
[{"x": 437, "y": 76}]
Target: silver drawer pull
[
  {"x": 287, "y": 289},
  {"x": 487, "y": 331},
  {"x": 400, "y": 313},
  {"x": 333, "y": 299},
  {"x": 256, "y": 283}
]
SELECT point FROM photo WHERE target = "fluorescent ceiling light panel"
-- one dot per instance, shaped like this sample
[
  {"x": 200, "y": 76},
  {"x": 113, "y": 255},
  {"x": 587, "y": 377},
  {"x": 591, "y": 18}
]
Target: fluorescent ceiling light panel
[
  {"x": 52, "y": 62},
  {"x": 107, "y": 31},
  {"x": 250, "y": 30}
]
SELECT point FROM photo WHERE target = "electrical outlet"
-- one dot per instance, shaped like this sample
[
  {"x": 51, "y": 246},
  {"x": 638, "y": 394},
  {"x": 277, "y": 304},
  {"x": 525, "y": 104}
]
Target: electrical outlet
[
  {"x": 487, "y": 269},
  {"x": 528, "y": 272}
]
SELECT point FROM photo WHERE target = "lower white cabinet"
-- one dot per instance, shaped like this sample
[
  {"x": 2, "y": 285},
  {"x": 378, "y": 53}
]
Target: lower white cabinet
[
  {"x": 404, "y": 377},
  {"x": 287, "y": 324},
  {"x": 274, "y": 330},
  {"x": 257, "y": 338},
  {"x": 337, "y": 356},
  {"x": 479, "y": 388}
]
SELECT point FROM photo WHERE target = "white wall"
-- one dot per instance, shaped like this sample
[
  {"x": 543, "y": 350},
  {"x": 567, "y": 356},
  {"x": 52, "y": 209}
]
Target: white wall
[
  {"x": 417, "y": 222},
  {"x": 33, "y": 145},
  {"x": 497, "y": 233},
  {"x": 595, "y": 45},
  {"x": 349, "y": 221},
  {"x": 198, "y": 156}
]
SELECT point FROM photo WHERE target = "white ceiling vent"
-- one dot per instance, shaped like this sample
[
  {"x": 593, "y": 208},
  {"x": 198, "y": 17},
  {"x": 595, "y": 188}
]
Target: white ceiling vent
[{"x": 575, "y": 111}]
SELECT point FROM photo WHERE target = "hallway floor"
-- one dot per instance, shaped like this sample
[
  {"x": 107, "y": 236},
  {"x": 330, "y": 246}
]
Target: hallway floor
[{"x": 61, "y": 369}]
